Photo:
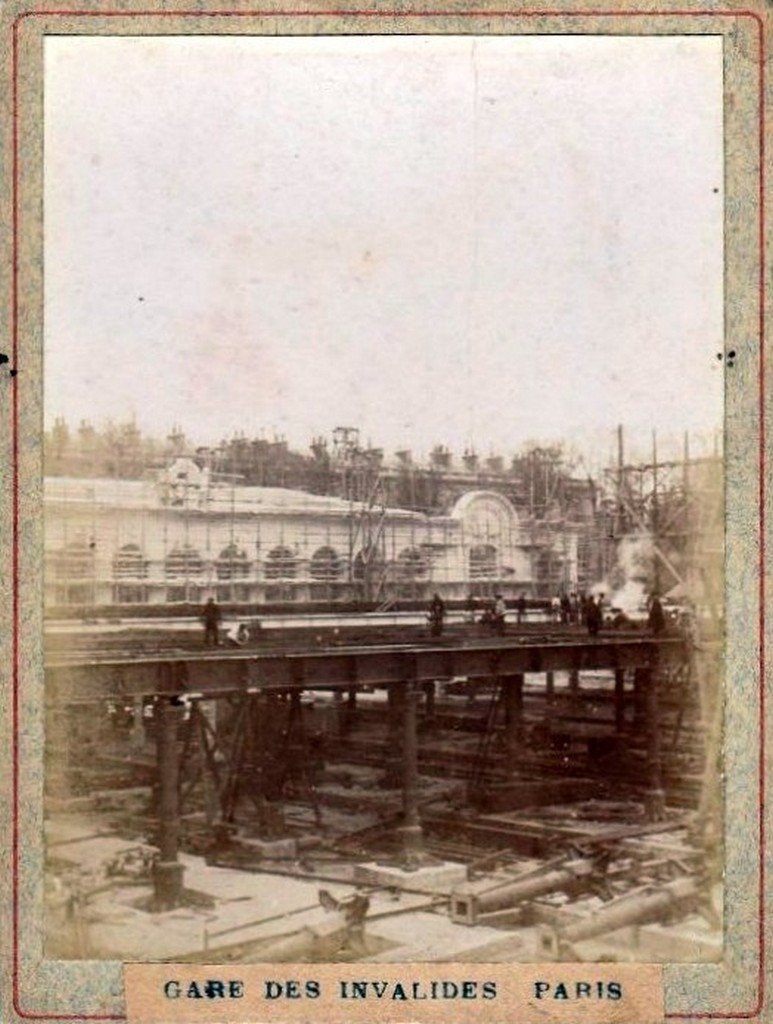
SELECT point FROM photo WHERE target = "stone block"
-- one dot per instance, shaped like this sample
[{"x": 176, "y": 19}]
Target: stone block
[
  {"x": 439, "y": 876},
  {"x": 268, "y": 848}
]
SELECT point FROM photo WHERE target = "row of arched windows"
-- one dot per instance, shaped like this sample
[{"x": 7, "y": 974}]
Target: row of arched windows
[
  {"x": 76, "y": 561},
  {"x": 281, "y": 563}
]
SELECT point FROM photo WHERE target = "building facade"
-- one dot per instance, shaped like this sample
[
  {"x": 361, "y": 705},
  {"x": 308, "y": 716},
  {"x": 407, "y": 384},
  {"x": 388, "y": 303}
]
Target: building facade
[{"x": 182, "y": 537}]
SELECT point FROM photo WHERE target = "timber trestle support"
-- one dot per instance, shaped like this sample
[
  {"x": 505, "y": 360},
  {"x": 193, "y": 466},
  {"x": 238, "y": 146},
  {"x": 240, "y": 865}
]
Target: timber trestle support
[{"x": 232, "y": 729}]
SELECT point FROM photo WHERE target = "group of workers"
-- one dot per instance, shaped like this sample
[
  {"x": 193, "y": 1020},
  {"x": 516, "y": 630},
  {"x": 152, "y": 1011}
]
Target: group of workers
[
  {"x": 493, "y": 613},
  {"x": 577, "y": 609},
  {"x": 588, "y": 610},
  {"x": 569, "y": 609}
]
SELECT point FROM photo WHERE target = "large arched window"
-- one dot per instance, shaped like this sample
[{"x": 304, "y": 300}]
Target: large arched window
[
  {"x": 183, "y": 561},
  {"x": 412, "y": 564},
  {"x": 232, "y": 563},
  {"x": 325, "y": 565},
  {"x": 483, "y": 562},
  {"x": 129, "y": 563},
  {"x": 74, "y": 561},
  {"x": 129, "y": 567},
  {"x": 281, "y": 564},
  {"x": 326, "y": 569},
  {"x": 182, "y": 566},
  {"x": 74, "y": 569}
]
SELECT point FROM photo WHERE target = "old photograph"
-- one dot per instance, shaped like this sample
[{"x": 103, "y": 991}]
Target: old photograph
[{"x": 383, "y": 497}]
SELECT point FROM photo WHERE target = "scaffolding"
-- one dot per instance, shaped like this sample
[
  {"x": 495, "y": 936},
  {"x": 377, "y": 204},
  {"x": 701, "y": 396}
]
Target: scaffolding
[
  {"x": 678, "y": 505},
  {"x": 195, "y": 530}
]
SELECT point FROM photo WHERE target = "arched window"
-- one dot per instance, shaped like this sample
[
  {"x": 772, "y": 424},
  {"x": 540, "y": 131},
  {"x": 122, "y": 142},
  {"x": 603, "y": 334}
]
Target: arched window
[
  {"x": 129, "y": 566},
  {"x": 232, "y": 563},
  {"x": 483, "y": 562},
  {"x": 129, "y": 563},
  {"x": 183, "y": 561},
  {"x": 325, "y": 565},
  {"x": 74, "y": 568},
  {"x": 280, "y": 564},
  {"x": 74, "y": 561},
  {"x": 412, "y": 564}
]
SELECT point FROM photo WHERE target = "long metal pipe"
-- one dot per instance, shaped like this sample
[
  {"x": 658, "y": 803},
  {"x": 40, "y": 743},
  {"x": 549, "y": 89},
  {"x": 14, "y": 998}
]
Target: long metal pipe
[
  {"x": 538, "y": 885},
  {"x": 304, "y": 942},
  {"x": 638, "y": 908},
  {"x": 468, "y": 904}
]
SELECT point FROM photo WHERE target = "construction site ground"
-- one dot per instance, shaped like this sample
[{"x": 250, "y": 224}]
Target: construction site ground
[
  {"x": 234, "y": 914},
  {"x": 309, "y": 857}
]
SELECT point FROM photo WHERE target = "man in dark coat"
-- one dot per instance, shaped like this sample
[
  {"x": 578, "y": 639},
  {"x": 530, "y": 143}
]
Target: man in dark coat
[
  {"x": 656, "y": 621},
  {"x": 499, "y": 610},
  {"x": 593, "y": 615},
  {"x": 211, "y": 616},
  {"x": 437, "y": 612}
]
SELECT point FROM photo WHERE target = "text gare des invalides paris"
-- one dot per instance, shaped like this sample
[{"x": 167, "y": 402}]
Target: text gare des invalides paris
[{"x": 273, "y": 989}]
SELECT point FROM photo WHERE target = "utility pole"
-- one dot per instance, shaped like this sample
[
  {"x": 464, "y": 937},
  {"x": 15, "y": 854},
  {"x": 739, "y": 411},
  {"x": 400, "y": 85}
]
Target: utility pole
[
  {"x": 619, "y": 516},
  {"x": 655, "y": 511},
  {"x": 688, "y": 525}
]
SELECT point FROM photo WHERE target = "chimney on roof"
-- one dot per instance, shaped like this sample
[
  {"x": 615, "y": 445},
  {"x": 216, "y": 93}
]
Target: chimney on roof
[
  {"x": 440, "y": 457},
  {"x": 470, "y": 460}
]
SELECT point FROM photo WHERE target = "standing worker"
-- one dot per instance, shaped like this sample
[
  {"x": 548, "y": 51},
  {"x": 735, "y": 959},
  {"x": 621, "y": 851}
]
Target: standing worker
[
  {"x": 656, "y": 620},
  {"x": 593, "y": 615},
  {"x": 437, "y": 612},
  {"x": 211, "y": 616},
  {"x": 500, "y": 610},
  {"x": 520, "y": 609}
]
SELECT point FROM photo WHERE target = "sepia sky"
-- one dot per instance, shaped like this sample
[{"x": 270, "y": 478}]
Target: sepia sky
[{"x": 449, "y": 239}]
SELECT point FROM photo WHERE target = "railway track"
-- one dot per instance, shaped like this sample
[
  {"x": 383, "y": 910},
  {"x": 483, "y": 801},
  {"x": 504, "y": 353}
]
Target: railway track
[{"x": 61, "y": 653}]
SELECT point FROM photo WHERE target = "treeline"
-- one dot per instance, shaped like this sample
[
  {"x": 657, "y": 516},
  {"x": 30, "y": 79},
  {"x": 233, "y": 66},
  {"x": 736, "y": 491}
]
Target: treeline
[{"x": 536, "y": 478}]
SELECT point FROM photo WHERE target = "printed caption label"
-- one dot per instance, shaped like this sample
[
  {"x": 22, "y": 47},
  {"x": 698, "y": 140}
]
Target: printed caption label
[{"x": 394, "y": 993}]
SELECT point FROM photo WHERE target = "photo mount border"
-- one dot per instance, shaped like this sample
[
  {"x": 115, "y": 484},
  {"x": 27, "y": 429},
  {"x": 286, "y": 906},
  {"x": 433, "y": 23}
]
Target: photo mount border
[{"x": 25, "y": 1014}]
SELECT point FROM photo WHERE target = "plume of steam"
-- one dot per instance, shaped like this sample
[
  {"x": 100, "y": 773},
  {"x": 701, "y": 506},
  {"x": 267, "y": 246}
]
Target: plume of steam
[{"x": 626, "y": 586}]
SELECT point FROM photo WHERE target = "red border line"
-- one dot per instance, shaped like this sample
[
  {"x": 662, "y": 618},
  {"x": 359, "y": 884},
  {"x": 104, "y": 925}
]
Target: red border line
[
  {"x": 370, "y": 13},
  {"x": 15, "y": 513}
]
